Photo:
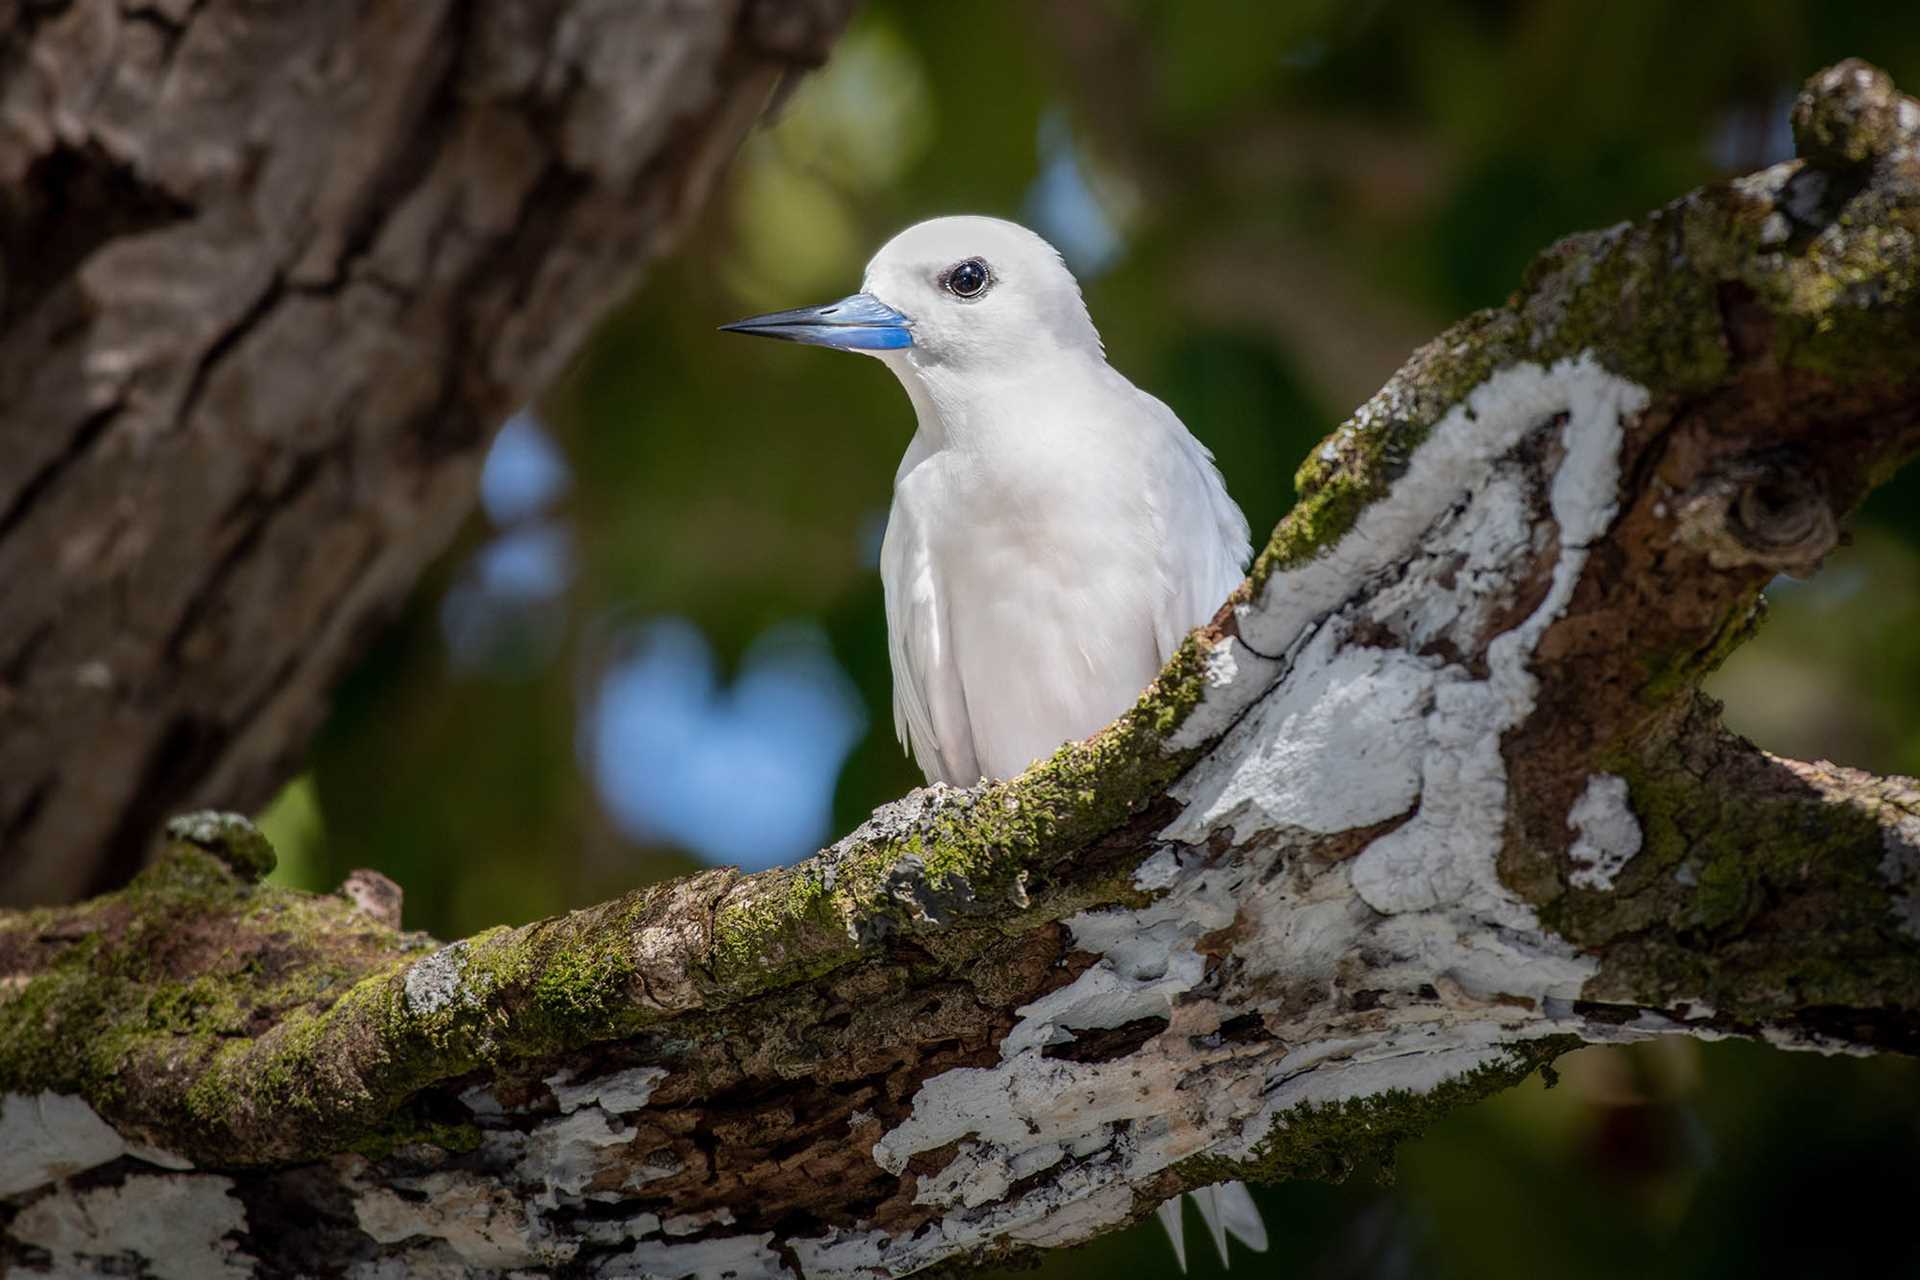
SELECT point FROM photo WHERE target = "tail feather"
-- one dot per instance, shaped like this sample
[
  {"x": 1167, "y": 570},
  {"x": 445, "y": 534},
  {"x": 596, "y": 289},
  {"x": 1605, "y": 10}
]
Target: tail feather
[
  {"x": 1169, "y": 1215},
  {"x": 1203, "y": 1199},
  {"x": 1228, "y": 1210},
  {"x": 1240, "y": 1216}
]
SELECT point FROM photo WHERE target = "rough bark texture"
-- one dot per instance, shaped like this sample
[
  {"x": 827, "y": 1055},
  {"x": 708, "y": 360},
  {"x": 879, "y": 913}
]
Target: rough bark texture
[
  {"x": 270, "y": 275},
  {"x": 1435, "y": 798}
]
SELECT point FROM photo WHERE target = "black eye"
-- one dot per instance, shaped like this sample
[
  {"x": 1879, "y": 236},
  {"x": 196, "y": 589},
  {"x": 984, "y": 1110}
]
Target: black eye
[{"x": 967, "y": 279}]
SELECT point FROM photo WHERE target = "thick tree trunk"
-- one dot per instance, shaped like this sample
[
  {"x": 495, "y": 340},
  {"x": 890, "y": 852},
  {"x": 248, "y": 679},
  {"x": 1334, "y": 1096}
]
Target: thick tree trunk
[
  {"x": 270, "y": 275},
  {"x": 1435, "y": 798}
]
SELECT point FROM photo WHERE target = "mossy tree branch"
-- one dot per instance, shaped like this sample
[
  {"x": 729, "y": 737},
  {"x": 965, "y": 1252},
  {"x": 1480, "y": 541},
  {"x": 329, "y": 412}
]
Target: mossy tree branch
[{"x": 1435, "y": 797}]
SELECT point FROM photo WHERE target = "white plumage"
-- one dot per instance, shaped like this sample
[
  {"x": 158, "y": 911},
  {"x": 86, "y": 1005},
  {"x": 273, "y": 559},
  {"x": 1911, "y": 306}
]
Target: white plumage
[{"x": 1055, "y": 530}]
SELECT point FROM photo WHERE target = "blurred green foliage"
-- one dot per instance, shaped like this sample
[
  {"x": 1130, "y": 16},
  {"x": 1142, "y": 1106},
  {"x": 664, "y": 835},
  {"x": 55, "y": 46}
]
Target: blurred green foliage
[{"x": 1304, "y": 192}]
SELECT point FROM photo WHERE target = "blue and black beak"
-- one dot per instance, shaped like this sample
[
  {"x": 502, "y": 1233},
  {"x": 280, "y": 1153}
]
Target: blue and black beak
[{"x": 858, "y": 322}]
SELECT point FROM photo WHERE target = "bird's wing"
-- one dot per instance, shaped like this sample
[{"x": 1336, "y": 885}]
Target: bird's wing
[
  {"x": 929, "y": 708},
  {"x": 1203, "y": 536}
]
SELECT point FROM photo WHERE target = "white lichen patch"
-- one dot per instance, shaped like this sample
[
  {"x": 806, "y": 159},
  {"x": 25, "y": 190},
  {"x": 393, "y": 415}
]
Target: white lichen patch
[
  {"x": 1083, "y": 1200},
  {"x": 617, "y": 1091},
  {"x": 1483, "y": 543},
  {"x": 1359, "y": 734},
  {"x": 481, "y": 1221},
  {"x": 1336, "y": 747},
  {"x": 567, "y": 1154},
  {"x": 1417, "y": 1064},
  {"x": 1606, "y": 835},
  {"x": 48, "y": 1136},
  {"x": 433, "y": 982},
  {"x": 1030, "y": 1101},
  {"x": 1098, "y": 1128},
  {"x": 1444, "y": 856},
  {"x": 1456, "y": 459},
  {"x": 1453, "y": 529},
  {"x": 1094, "y": 1127},
  {"x": 722, "y": 1258},
  {"x": 686, "y": 1224},
  {"x": 513, "y": 1210},
  {"x": 177, "y": 1225},
  {"x": 210, "y": 827}
]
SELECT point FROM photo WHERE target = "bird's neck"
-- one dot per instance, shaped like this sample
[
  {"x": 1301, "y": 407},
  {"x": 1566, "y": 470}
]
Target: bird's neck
[{"x": 969, "y": 409}]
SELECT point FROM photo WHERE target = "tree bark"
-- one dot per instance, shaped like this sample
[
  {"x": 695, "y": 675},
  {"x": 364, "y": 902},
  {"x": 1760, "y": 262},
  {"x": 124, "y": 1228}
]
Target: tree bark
[
  {"x": 270, "y": 275},
  {"x": 1434, "y": 798}
]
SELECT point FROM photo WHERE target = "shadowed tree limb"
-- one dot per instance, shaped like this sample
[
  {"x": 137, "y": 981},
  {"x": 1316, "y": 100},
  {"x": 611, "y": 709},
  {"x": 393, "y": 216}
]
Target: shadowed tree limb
[
  {"x": 1435, "y": 798},
  {"x": 271, "y": 275}
]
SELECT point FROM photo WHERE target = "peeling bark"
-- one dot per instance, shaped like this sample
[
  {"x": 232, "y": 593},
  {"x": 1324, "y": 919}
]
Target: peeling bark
[
  {"x": 270, "y": 275},
  {"x": 1434, "y": 798}
]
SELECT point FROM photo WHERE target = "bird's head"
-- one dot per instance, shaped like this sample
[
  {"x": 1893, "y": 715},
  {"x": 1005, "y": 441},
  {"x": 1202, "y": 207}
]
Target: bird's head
[{"x": 960, "y": 293}]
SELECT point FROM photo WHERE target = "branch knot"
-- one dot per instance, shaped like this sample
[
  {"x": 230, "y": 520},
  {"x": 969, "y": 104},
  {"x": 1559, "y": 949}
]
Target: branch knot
[
  {"x": 1767, "y": 510},
  {"x": 230, "y": 837},
  {"x": 1851, "y": 114}
]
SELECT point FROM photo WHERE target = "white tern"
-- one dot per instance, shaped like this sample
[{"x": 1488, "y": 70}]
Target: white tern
[{"x": 1055, "y": 530}]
